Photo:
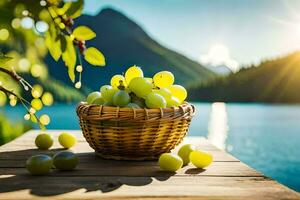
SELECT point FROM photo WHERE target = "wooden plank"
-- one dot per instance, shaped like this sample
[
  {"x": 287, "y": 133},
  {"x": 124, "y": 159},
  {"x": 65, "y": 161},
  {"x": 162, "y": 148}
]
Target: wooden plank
[
  {"x": 225, "y": 169},
  {"x": 25, "y": 187},
  {"x": 89, "y": 155},
  {"x": 226, "y": 178}
]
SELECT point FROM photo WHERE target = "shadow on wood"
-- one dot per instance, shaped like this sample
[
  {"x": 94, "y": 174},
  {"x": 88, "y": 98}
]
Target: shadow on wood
[
  {"x": 194, "y": 171},
  {"x": 111, "y": 174}
]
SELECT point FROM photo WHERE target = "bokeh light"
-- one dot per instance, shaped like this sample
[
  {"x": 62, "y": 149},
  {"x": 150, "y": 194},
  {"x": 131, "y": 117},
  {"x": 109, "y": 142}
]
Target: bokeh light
[
  {"x": 36, "y": 70},
  {"x": 4, "y": 34},
  {"x": 16, "y": 23},
  {"x": 41, "y": 26},
  {"x": 45, "y": 119},
  {"x": 37, "y": 91},
  {"x": 47, "y": 99},
  {"x": 13, "y": 102},
  {"x": 24, "y": 65},
  {"x": 37, "y": 104},
  {"x": 27, "y": 22},
  {"x": 43, "y": 3},
  {"x": 27, "y": 117}
]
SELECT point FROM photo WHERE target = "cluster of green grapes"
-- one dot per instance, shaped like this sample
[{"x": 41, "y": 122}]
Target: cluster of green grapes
[
  {"x": 63, "y": 160},
  {"x": 187, "y": 153},
  {"x": 136, "y": 91}
]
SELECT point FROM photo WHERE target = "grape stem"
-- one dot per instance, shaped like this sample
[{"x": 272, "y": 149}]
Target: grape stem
[
  {"x": 25, "y": 85},
  {"x": 24, "y": 102},
  {"x": 121, "y": 86},
  {"x": 16, "y": 77}
]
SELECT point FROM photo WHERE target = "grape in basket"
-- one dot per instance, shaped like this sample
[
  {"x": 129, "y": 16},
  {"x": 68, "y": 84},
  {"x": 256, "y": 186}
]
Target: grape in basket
[{"x": 136, "y": 91}]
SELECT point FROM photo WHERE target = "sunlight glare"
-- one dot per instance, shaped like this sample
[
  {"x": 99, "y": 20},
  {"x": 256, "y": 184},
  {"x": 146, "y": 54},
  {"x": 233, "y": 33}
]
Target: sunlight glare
[
  {"x": 219, "y": 54},
  {"x": 218, "y": 125}
]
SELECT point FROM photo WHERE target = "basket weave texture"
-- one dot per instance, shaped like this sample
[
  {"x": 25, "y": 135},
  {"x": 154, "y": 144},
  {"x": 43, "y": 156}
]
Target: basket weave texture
[{"x": 133, "y": 134}]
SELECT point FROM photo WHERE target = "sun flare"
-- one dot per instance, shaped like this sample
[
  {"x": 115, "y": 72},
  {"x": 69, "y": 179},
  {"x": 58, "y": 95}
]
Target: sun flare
[{"x": 219, "y": 54}]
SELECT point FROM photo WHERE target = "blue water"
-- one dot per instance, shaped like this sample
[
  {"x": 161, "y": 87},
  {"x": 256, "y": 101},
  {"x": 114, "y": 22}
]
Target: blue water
[{"x": 266, "y": 137}]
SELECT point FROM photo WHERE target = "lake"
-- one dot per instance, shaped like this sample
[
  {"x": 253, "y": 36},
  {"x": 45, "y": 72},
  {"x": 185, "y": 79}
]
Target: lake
[{"x": 266, "y": 137}]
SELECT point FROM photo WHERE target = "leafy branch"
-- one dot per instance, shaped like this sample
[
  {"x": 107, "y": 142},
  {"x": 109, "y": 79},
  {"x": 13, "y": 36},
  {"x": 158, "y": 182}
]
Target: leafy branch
[
  {"x": 12, "y": 95},
  {"x": 62, "y": 40}
]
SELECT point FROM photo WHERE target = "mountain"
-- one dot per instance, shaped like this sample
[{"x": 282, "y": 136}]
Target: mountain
[
  {"x": 221, "y": 69},
  {"x": 124, "y": 43},
  {"x": 274, "y": 81}
]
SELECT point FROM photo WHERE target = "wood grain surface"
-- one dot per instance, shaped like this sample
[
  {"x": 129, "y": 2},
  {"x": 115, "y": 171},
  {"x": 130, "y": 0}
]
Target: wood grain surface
[{"x": 95, "y": 178}]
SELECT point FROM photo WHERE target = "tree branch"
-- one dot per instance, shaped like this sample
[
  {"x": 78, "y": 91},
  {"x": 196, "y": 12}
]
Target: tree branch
[
  {"x": 13, "y": 74},
  {"x": 8, "y": 92}
]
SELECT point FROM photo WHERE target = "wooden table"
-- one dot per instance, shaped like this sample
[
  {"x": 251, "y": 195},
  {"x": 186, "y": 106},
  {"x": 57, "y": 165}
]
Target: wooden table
[{"x": 226, "y": 178}]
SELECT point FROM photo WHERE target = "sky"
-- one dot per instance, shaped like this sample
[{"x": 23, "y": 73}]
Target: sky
[{"x": 214, "y": 32}]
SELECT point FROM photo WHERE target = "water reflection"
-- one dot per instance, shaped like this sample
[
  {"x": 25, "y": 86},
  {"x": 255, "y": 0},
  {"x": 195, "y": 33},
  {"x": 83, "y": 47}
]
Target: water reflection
[{"x": 218, "y": 125}]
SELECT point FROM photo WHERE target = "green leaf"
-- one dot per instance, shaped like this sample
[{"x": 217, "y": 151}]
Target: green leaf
[
  {"x": 63, "y": 43},
  {"x": 4, "y": 58},
  {"x": 61, "y": 11},
  {"x": 69, "y": 57},
  {"x": 75, "y": 9},
  {"x": 94, "y": 57},
  {"x": 83, "y": 33},
  {"x": 53, "y": 46}
]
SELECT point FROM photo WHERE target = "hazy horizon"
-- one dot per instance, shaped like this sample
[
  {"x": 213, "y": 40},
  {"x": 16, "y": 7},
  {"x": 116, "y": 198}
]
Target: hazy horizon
[{"x": 224, "y": 31}]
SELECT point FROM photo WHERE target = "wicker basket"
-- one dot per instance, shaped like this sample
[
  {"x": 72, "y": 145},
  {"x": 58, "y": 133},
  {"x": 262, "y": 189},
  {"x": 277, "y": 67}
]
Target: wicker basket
[{"x": 133, "y": 134}]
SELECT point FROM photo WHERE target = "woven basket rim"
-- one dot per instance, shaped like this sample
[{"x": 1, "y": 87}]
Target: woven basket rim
[{"x": 100, "y": 112}]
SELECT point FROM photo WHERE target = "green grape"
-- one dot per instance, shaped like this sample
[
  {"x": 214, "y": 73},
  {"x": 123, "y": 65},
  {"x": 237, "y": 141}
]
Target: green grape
[
  {"x": 39, "y": 164},
  {"x": 44, "y": 141},
  {"x": 67, "y": 140},
  {"x": 149, "y": 79},
  {"x": 154, "y": 100},
  {"x": 47, "y": 99},
  {"x": 201, "y": 159},
  {"x": 65, "y": 160},
  {"x": 173, "y": 101},
  {"x": 170, "y": 162},
  {"x": 165, "y": 92},
  {"x": 108, "y": 103},
  {"x": 163, "y": 79},
  {"x": 132, "y": 73},
  {"x": 45, "y": 120},
  {"x": 128, "y": 90},
  {"x": 115, "y": 81},
  {"x": 121, "y": 98},
  {"x": 184, "y": 153},
  {"x": 108, "y": 92},
  {"x": 141, "y": 87},
  {"x": 37, "y": 104},
  {"x": 98, "y": 101},
  {"x": 3, "y": 98},
  {"x": 179, "y": 92},
  {"x": 90, "y": 98},
  {"x": 137, "y": 100},
  {"x": 133, "y": 105}
]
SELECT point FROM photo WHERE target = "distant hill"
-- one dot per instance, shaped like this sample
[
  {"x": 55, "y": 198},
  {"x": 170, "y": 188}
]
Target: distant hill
[
  {"x": 124, "y": 43},
  {"x": 275, "y": 81}
]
